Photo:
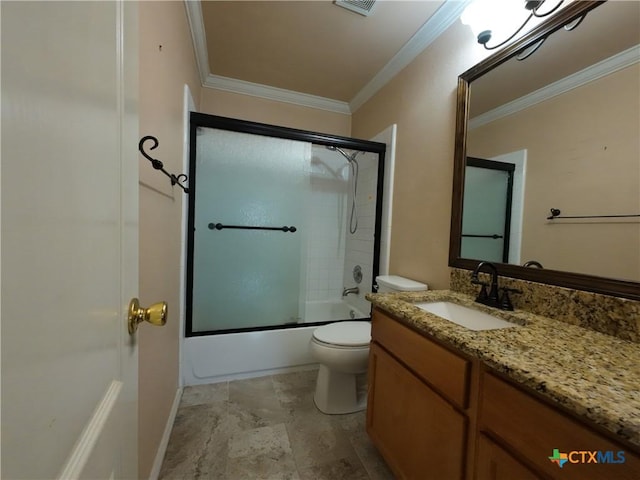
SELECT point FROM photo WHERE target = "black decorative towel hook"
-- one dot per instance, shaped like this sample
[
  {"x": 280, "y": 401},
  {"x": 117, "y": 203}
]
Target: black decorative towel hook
[{"x": 158, "y": 165}]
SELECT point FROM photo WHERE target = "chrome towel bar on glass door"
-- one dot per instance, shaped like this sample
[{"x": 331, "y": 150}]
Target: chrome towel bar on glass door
[{"x": 219, "y": 226}]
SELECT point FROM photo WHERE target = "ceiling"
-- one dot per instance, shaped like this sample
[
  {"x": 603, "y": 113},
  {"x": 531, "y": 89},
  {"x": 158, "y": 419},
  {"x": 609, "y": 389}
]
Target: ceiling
[
  {"x": 313, "y": 47},
  {"x": 308, "y": 48},
  {"x": 317, "y": 54}
]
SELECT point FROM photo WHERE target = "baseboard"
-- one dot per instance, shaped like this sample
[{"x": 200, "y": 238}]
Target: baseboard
[{"x": 164, "y": 441}]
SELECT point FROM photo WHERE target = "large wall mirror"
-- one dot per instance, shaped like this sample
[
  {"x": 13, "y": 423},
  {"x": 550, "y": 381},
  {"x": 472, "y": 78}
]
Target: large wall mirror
[{"x": 558, "y": 130}]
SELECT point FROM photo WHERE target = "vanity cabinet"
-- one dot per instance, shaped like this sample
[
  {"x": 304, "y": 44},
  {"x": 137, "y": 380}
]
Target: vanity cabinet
[
  {"x": 531, "y": 429},
  {"x": 417, "y": 394},
  {"x": 495, "y": 463},
  {"x": 436, "y": 414}
]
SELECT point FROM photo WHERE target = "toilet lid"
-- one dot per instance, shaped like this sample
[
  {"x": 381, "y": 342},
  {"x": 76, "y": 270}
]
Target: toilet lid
[{"x": 348, "y": 334}]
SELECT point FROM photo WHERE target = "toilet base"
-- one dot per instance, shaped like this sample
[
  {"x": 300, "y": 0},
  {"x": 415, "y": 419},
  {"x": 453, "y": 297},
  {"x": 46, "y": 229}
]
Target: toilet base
[{"x": 340, "y": 393}]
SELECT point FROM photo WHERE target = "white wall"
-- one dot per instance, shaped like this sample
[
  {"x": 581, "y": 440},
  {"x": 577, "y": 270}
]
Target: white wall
[
  {"x": 326, "y": 228},
  {"x": 333, "y": 251},
  {"x": 360, "y": 245},
  {"x": 387, "y": 136}
]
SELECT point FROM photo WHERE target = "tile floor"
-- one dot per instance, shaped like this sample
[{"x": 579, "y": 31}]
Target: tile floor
[{"x": 267, "y": 428}]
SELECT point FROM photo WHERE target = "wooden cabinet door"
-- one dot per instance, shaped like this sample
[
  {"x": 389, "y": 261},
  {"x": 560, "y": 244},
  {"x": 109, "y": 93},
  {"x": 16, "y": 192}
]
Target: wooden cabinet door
[
  {"x": 535, "y": 430},
  {"x": 420, "y": 435},
  {"x": 494, "y": 463}
]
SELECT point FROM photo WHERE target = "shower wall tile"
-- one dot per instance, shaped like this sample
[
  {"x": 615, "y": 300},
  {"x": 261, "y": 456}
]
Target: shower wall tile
[
  {"x": 359, "y": 246},
  {"x": 360, "y": 258},
  {"x": 325, "y": 240},
  {"x": 332, "y": 250},
  {"x": 367, "y": 221}
]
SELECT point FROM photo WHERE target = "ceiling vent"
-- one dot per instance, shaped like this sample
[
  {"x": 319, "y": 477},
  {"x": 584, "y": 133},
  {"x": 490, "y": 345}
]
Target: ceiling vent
[{"x": 363, "y": 7}]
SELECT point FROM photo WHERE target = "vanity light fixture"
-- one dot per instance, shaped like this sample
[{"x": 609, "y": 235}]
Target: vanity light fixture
[{"x": 494, "y": 19}]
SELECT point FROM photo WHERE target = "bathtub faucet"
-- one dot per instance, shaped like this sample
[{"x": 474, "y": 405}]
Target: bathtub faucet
[{"x": 347, "y": 291}]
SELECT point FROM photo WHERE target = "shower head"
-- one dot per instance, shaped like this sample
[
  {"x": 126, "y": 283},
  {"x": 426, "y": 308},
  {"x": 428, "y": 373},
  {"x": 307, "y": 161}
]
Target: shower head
[
  {"x": 350, "y": 158},
  {"x": 353, "y": 180}
]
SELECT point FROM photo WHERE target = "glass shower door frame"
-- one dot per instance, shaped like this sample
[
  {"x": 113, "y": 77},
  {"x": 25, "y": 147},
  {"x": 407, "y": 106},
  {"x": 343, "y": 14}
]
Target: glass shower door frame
[{"x": 224, "y": 123}]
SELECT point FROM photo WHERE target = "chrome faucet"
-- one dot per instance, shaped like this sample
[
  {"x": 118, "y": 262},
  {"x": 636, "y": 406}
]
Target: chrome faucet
[{"x": 347, "y": 291}]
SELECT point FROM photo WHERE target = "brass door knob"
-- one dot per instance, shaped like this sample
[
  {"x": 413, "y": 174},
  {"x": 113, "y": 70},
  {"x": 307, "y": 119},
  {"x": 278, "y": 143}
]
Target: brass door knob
[{"x": 156, "y": 314}]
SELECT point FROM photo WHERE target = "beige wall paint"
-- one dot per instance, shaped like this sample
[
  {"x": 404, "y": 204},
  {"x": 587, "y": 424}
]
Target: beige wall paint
[
  {"x": 422, "y": 101},
  {"x": 590, "y": 166},
  {"x": 246, "y": 107},
  {"x": 163, "y": 72}
]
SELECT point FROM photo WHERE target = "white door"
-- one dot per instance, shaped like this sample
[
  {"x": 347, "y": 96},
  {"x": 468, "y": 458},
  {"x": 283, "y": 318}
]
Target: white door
[{"x": 69, "y": 239}]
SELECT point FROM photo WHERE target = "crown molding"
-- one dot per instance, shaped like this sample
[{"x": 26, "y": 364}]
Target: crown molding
[
  {"x": 442, "y": 19},
  {"x": 196, "y": 25},
  {"x": 446, "y": 15},
  {"x": 594, "y": 72},
  {"x": 278, "y": 94}
]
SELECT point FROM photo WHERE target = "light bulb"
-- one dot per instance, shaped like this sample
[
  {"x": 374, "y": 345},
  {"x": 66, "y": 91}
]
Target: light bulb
[{"x": 500, "y": 17}]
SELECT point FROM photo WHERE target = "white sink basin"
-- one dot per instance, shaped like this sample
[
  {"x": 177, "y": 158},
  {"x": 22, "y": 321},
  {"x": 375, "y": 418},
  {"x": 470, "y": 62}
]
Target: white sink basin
[{"x": 465, "y": 317}]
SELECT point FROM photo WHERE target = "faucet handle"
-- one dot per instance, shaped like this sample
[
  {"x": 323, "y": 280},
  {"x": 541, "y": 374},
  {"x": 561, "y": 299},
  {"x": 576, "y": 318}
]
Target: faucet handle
[
  {"x": 505, "y": 301},
  {"x": 482, "y": 294}
]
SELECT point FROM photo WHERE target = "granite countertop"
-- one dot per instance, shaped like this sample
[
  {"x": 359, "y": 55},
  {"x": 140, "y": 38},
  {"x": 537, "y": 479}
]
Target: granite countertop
[{"x": 597, "y": 376}]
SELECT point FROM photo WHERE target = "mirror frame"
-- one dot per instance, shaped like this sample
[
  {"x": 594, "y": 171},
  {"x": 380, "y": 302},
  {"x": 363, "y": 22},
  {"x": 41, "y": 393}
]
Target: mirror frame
[{"x": 578, "y": 281}]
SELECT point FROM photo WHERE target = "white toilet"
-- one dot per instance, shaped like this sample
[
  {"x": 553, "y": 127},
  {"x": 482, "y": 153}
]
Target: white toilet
[
  {"x": 342, "y": 350},
  {"x": 395, "y": 283}
]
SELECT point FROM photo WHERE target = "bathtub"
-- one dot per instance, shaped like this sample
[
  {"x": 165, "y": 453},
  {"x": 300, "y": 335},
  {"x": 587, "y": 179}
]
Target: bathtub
[
  {"x": 327, "y": 311},
  {"x": 218, "y": 358}
]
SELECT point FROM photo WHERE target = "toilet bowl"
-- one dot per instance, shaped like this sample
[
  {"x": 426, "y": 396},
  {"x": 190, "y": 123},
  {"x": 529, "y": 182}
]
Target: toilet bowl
[{"x": 342, "y": 350}]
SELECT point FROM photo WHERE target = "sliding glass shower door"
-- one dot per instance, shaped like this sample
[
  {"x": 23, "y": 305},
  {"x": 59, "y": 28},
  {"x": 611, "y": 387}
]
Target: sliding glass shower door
[{"x": 249, "y": 230}]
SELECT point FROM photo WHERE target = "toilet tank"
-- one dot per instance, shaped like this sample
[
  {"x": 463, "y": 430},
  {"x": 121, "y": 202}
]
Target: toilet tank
[{"x": 395, "y": 283}]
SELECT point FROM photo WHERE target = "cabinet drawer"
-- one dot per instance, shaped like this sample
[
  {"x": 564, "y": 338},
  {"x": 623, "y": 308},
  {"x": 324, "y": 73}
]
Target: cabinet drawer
[
  {"x": 443, "y": 370},
  {"x": 535, "y": 429}
]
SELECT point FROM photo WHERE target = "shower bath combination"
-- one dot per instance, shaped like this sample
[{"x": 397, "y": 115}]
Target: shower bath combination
[
  {"x": 249, "y": 272},
  {"x": 354, "y": 167},
  {"x": 254, "y": 293}
]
